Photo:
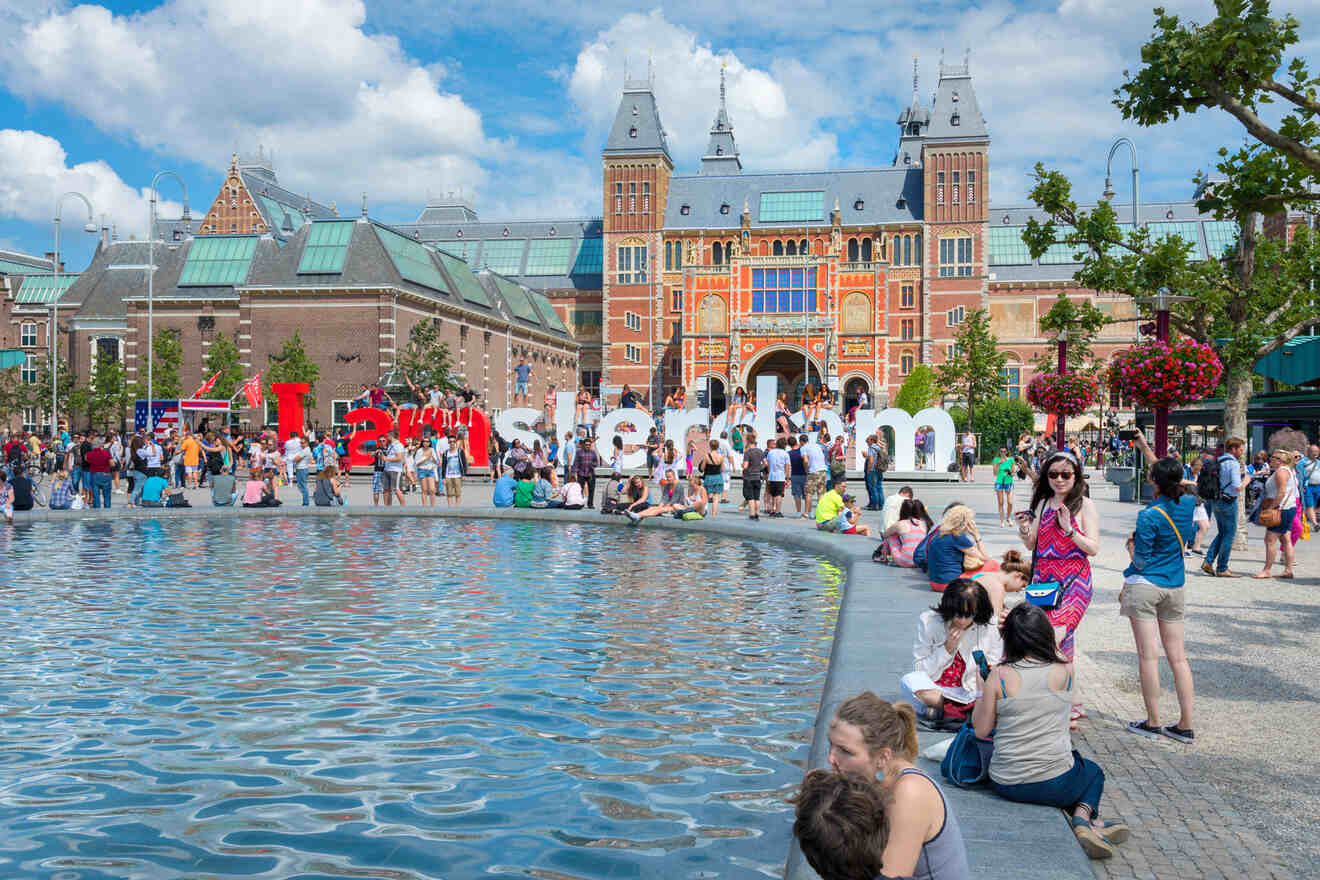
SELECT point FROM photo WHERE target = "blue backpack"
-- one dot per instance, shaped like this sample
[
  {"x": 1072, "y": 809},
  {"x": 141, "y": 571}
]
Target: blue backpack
[
  {"x": 919, "y": 554},
  {"x": 967, "y": 762}
]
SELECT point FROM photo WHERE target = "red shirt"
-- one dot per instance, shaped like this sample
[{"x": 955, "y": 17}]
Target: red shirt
[{"x": 97, "y": 460}]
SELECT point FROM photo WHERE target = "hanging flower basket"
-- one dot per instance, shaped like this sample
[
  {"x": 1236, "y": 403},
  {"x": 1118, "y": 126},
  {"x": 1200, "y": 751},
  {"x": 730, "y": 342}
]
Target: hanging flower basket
[
  {"x": 1067, "y": 395},
  {"x": 1158, "y": 374}
]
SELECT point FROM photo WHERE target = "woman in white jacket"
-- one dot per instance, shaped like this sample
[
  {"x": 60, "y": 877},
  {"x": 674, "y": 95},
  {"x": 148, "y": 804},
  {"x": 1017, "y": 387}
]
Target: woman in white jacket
[{"x": 944, "y": 677}]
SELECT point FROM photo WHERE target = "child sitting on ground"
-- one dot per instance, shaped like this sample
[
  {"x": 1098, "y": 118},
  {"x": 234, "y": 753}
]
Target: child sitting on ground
[{"x": 847, "y": 521}]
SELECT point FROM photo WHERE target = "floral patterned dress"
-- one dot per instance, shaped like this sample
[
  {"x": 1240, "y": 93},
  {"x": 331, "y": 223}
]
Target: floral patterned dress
[{"x": 1059, "y": 559}]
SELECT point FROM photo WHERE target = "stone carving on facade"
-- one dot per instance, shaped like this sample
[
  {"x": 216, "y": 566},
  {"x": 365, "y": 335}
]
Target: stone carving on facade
[
  {"x": 690, "y": 257},
  {"x": 836, "y": 241},
  {"x": 735, "y": 250}
]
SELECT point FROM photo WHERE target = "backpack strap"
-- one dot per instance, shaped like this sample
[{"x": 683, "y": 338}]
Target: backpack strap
[{"x": 1165, "y": 514}]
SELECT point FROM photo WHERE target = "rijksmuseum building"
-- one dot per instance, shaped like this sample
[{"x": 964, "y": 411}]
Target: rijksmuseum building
[{"x": 704, "y": 280}]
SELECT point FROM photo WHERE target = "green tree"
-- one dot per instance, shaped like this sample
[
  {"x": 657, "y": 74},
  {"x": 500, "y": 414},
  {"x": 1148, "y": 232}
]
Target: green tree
[
  {"x": 976, "y": 373},
  {"x": 15, "y": 395},
  {"x": 1002, "y": 422},
  {"x": 1252, "y": 299},
  {"x": 167, "y": 354},
  {"x": 918, "y": 390},
  {"x": 107, "y": 394},
  {"x": 293, "y": 365},
  {"x": 38, "y": 395},
  {"x": 222, "y": 358},
  {"x": 1083, "y": 321},
  {"x": 425, "y": 359}
]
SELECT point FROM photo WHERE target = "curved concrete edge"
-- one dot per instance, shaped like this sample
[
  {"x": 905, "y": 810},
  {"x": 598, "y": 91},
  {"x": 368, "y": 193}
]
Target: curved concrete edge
[{"x": 871, "y": 651}]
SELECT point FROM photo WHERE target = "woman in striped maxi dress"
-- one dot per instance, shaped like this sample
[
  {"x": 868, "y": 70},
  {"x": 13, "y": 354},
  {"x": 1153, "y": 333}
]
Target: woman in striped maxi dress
[{"x": 1063, "y": 528}]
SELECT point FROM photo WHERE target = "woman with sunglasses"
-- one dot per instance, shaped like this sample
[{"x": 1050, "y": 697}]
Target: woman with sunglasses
[{"x": 1063, "y": 527}]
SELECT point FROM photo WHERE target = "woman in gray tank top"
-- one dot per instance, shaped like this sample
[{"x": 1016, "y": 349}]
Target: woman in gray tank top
[
  {"x": 873, "y": 737},
  {"x": 1025, "y": 703}
]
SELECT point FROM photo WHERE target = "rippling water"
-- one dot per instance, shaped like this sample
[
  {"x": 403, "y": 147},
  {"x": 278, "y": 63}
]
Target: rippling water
[{"x": 402, "y": 698}]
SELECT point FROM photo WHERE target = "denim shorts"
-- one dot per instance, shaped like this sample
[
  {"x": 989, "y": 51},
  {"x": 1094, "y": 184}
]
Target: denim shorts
[{"x": 425, "y": 474}]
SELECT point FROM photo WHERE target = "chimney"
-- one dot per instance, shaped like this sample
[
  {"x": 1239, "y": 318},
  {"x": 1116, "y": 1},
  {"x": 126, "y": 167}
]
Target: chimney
[
  {"x": 50, "y": 257},
  {"x": 105, "y": 232}
]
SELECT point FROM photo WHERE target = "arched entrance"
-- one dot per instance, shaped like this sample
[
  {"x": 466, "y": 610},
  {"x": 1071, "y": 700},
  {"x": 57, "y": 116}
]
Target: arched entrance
[
  {"x": 792, "y": 369},
  {"x": 852, "y": 388},
  {"x": 715, "y": 394}
]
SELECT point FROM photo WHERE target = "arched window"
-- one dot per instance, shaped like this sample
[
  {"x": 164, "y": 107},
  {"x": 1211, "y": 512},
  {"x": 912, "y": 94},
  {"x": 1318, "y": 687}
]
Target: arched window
[
  {"x": 803, "y": 247},
  {"x": 669, "y": 255},
  {"x": 717, "y": 255},
  {"x": 907, "y": 250},
  {"x": 853, "y": 254},
  {"x": 678, "y": 255},
  {"x": 778, "y": 249},
  {"x": 918, "y": 249},
  {"x": 866, "y": 250},
  {"x": 898, "y": 251},
  {"x": 791, "y": 249}
]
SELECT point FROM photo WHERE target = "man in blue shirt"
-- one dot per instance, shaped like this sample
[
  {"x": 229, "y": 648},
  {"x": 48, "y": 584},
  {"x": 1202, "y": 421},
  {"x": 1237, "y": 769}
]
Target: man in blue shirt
[
  {"x": 1225, "y": 509},
  {"x": 505, "y": 487},
  {"x": 522, "y": 375}
]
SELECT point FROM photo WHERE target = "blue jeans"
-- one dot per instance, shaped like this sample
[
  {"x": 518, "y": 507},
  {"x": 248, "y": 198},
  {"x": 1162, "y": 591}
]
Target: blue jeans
[
  {"x": 1083, "y": 784},
  {"x": 139, "y": 480},
  {"x": 77, "y": 479},
  {"x": 875, "y": 489},
  {"x": 1226, "y": 513},
  {"x": 100, "y": 490},
  {"x": 300, "y": 476}
]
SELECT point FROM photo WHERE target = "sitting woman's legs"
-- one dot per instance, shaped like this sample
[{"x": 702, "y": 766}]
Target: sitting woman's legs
[{"x": 1078, "y": 790}]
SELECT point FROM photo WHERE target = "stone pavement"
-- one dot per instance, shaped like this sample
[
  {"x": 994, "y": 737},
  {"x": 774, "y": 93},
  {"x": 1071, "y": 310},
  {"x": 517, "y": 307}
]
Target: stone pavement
[{"x": 1236, "y": 803}]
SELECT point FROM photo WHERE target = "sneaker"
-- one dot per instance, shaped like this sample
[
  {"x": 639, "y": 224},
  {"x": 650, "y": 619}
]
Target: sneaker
[
  {"x": 632, "y": 515},
  {"x": 1144, "y": 728},
  {"x": 1182, "y": 735}
]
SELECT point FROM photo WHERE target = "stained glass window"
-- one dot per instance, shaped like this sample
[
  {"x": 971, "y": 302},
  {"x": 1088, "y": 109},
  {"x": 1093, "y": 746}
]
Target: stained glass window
[{"x": 783, "y": 290}]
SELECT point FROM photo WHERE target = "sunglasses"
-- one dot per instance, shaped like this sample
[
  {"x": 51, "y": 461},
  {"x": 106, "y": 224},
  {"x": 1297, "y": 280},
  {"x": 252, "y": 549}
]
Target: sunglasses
[{"x": 1061, "y": 475}]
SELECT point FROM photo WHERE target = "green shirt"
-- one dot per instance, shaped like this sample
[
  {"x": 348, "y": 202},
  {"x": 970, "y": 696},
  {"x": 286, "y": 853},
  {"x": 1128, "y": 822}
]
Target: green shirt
[
  {"x": 1004, "y": 469},
  {"x": 522, "y": 493},
  {"x": 829, "y": 506}
]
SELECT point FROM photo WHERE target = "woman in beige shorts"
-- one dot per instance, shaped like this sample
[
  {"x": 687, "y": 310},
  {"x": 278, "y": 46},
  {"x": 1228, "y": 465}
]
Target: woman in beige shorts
[{"x": 454, "y": 467}]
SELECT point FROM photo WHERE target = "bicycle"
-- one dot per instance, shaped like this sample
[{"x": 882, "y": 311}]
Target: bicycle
[{"x": 35, "y": 474}]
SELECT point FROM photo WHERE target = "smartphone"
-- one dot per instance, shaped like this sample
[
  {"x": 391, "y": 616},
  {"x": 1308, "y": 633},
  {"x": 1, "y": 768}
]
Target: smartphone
[
  {"x": 1127, "y": 434},
  {"x": 1024, "y": 515},
  {"x": 979, "y": 657}
]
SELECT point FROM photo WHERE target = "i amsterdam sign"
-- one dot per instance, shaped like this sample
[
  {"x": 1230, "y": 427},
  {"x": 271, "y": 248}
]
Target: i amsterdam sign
[{"x": 785, "y": 325}]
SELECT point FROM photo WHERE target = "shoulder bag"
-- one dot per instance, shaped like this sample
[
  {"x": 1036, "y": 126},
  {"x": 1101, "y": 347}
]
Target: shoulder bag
[
  {"x": 967, "y": 762},
  {"x": 1046, "y": 594}
]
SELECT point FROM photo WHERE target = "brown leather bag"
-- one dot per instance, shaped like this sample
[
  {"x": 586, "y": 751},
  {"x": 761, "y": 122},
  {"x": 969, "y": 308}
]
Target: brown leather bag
[{"x": 1270, "y": 517}]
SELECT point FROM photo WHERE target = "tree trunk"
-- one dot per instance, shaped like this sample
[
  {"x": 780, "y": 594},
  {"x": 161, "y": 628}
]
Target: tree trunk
[{"x": 1238, "y": 386}]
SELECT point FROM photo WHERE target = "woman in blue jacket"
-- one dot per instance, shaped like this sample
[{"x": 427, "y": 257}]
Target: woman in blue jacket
[{"x": 1152, "y": 597}]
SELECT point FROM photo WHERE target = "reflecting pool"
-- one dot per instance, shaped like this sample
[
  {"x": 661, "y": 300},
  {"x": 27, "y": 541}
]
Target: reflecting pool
[{"x": 403, "y": 698}]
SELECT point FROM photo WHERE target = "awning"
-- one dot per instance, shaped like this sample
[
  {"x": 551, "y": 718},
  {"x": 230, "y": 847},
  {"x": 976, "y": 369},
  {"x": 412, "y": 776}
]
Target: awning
[
  {"x": 1296, "y": 363},
  {"x": 1282, "y": 408}
]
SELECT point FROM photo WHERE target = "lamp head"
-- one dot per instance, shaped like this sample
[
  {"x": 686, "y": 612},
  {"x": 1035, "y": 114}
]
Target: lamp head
[
  {"x": 187, "y": 215},
  {"x": 1109, "y": 188},
  {"x": 90, "y": 227}
]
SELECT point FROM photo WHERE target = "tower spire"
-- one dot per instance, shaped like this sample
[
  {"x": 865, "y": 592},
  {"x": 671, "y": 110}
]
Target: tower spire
[
  {"x": 721, "y": 152},
  {"x": 722, "y": 66},
  {"x": 914, "y": 77}
]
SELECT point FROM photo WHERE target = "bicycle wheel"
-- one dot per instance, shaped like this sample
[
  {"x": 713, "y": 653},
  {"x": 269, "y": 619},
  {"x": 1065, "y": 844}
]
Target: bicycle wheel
[
  {"x": 36, "y": 475},
  {"x": 38, "y": 496}
]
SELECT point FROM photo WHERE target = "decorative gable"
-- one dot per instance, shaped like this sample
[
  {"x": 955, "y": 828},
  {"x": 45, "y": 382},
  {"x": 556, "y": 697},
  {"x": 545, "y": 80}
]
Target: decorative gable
[{"x": 234, "y": 210}]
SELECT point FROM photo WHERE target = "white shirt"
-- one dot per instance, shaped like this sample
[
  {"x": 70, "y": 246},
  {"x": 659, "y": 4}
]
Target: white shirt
[
  {"x": 726, "y": 450},
  {"x": 152, "y": 453},
  {"x": 814, "y": 458},
  {"x": 930, "y": 657},
  {"x": 572, "y": 494},
  {"x": 777, "y": 459},
  {"x": 969, "y": 443},
  {"x": 893, "y": 504},
  {"x": 442, "y": 445},
  {"x": 396, "y": 448},
  {"x": 291, "y": 448}
]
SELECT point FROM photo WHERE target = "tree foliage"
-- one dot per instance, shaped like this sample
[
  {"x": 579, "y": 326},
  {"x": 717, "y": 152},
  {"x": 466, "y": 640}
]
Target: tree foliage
[
  {"x": 918, "y": 390},
  {"x": 292, "y": 364},
  {"x": 167, "y": 357},
  {"x": 222, "y": 358},
  {"x": 425, "y": 359},
  {"x": 15, "y": 394},
  {"x": 1083, "y": 321},
  {"x": 976, "y": 373},
  {"x": 67, "y": 397},
  {"x": 1002, "y": 422},
  {"x": 107, "y": 394}
]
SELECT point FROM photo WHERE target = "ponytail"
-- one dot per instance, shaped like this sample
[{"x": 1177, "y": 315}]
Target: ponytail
[{"x": 883, "y": 725}]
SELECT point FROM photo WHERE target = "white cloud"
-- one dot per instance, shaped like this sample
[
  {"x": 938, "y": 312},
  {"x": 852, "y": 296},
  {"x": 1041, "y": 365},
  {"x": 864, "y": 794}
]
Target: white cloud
[
  {"x": 34, "y": 172},
  {"x": 343, "y": 110},
  {"x": 775, "y": 114}
]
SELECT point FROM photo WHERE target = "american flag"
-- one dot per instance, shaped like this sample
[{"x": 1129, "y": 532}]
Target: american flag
[{"x": 164, "y": 416}]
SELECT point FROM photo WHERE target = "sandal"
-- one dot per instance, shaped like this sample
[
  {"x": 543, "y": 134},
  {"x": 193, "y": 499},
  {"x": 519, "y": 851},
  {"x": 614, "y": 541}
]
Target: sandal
[
  {"x": 1092, "y": 844},
  {"x": 1287, "y": 577},
  {"x": 1078, "y": 713},
  {"x": 1113, "y": 831}
]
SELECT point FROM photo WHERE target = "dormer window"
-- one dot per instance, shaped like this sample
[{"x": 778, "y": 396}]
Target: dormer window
[
  {"x": 954, "y": 119},
  {"x": 632, "y": 132},
  {"x": 724, "y": 208},
  {"x": 955, "y": 97},
  {"x": 914, "y": 128},
  {"x": 859, "y": 205},
  {"x": 907, "y": 160},
  {"x": 719, "y": 151},
  {"x": 685, "y": 210},
  {"x": 506, "y": 231},
  {"x": 636, "y": 111}
]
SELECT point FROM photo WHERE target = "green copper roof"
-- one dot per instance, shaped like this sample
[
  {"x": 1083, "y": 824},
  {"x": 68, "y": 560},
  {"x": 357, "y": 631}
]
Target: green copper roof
[
  {"x": 412, "y": 259},
  {"x": 327, "y": 245},
  {"x": 518, "y": 300},
  {"x": 218, "y": 260},
  {"x": 42, "y": 288},
  {"x": 504, "y": 255},
  {"x": 547, "y": 310},
  {"x": 9, "y": 267},
  {"x": 468, "y": 286},
  {"x": 549, "y": 256}
]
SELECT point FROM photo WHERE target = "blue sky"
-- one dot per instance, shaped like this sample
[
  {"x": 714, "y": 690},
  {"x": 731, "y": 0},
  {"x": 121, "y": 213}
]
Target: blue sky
[{"x": 510, "y": 102}]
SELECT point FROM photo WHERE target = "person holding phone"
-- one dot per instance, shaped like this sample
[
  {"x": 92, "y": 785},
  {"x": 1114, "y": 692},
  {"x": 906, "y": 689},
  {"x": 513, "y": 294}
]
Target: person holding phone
[
  {"x": 1063, "y": 528},
  {"x": 1025, "y": 707},
  {"x": 943, "y": 680}
]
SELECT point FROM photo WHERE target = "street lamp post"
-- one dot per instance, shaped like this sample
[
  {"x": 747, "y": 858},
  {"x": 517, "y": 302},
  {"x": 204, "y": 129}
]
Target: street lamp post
[
  {"x": 1059, "y": 439},
  {"x": 1109, "y": 178},
  {"x": 1162, "y": 301},
  {"x": 151, "y": 276},
  {"x": 54, "y": 332}
]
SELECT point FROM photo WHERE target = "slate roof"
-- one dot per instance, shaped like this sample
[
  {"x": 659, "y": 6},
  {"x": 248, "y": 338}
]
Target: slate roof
[
  {"x": 637, "y": 128},
  {"x": 878, "y": 189},
  {"x": 263, "y": 185},
  {"x": 453, "y": 212},
  {"x": 955, "y": 98}
]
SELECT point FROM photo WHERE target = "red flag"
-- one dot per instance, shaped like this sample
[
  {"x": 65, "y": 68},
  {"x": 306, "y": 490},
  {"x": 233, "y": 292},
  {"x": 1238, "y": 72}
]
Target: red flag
[
  {"x": 206, "y": 386},
  {"x": 252, "y": 388}
]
